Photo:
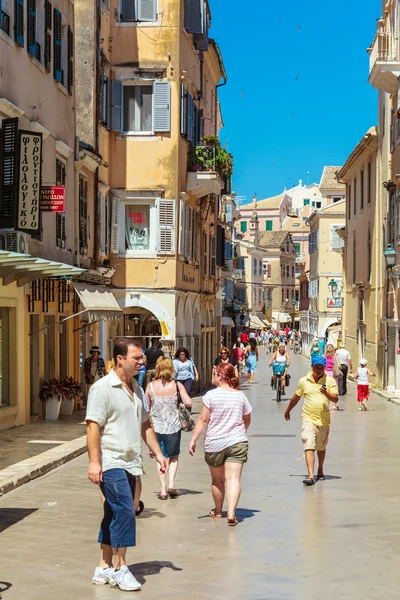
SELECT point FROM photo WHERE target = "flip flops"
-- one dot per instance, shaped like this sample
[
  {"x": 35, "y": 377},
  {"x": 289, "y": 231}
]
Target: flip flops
[
  {"x": 308, "y": 481},
  {"x": 214, "y": 514},
  {"x": 173, "y": 493},
  {"x": 232, "y": 522}
]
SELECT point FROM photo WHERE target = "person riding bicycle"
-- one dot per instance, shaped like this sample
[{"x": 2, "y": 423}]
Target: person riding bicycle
[{"x": 280, "y": 362}]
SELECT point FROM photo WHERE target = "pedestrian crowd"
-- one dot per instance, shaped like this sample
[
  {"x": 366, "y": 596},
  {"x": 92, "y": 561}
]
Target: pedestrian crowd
[{"x": 130, "y": 404}]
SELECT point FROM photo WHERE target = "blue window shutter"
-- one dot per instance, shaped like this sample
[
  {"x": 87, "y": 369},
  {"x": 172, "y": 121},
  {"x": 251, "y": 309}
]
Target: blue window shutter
[
  {"x": 201, "y": 40},
  {"x": 58, "y": 74},
  {"x": 183, "y": 111},
  {"x": 19, "y": 22},
  {"x": 31, "y": 29},
  {"x": 116, "y": 106},
  {"x": 162, "y": 106},
  {"x": 147, "y": 10},
  {"x": 194, "y": 16},
  {"x": 128, "y": 12},
  {"x": 190, "y": 117},
  {"x": 70, "y": 73},
  {"x": 48, "y": 12}
]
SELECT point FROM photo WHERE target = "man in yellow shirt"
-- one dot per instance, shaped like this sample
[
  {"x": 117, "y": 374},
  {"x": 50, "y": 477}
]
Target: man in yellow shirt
[{"x": 318, "y": 390}]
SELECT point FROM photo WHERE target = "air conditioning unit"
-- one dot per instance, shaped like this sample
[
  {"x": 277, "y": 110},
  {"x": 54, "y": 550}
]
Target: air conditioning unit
[{"x": 16, "y": 241}]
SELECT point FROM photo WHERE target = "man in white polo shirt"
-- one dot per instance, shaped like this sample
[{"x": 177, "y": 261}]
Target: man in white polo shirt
[
  {"x": 116, "y": 422},
  {"x": 345, "y": 364}
]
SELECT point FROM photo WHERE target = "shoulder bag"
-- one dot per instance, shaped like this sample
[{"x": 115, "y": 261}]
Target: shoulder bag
[
  {"x": 337, "y": 371},
  {"x": 185, "y": 418}
]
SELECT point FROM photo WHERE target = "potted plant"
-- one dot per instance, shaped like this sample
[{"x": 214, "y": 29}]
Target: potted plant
[
  {"x": 50, "y": 394},
  {"x": 70, "y": 389}
]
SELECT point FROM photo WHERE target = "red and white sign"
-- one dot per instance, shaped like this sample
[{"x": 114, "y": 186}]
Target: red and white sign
[{"x": 52, "y": 198}]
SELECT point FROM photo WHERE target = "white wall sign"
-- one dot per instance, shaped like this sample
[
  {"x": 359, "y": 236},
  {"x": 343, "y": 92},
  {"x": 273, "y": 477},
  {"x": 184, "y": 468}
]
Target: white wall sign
[{"x": 30, "y": 161}]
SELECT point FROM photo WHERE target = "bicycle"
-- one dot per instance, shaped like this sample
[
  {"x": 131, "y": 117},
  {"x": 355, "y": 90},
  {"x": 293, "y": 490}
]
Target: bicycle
[{"x": 278, "y": 382}]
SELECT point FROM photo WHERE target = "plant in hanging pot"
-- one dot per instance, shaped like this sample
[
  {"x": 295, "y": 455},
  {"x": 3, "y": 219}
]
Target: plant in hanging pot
[
  {"x": 50, "y": 392},
  {"x": 70, "y": 389}
]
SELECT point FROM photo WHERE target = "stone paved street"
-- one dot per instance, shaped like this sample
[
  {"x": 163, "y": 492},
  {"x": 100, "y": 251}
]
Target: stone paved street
[{"x": 338, "y": 539}]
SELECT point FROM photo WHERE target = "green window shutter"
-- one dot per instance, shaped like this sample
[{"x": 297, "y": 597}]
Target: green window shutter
[
  {"x": 243, "y": 226},
  {"x": 306, "y": 202},
  {"x": 268, "y": 225},
  {"x": 297, "y": 246}
]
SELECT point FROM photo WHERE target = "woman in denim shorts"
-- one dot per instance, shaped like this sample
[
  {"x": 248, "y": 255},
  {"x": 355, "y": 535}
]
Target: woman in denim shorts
[{"x": 226, "y": 414}]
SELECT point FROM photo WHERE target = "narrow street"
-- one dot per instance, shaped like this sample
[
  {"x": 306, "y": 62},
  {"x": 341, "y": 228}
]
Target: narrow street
[{"x": 338, "y": 539}]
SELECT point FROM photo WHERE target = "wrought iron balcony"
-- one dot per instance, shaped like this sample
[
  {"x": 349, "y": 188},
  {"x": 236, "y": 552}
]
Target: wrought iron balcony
[{"x": 384, "y": 59}]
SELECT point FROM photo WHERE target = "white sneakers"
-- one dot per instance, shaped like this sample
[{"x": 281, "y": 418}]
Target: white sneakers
[
  {"x": 123, "y": 578},
  {"x": 363, "y": 405}
]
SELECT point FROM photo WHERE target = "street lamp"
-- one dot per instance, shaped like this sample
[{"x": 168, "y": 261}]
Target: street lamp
[
  {"x": 333, "y": 287},
  {"x": 390, "y": 256}
]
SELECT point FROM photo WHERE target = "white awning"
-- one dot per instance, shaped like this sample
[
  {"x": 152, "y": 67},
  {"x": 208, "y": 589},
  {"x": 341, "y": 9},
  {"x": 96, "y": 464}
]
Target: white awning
[
  {"x": 256, "y": 323},
  {"x": 227, "y": 321},
  {"x": 23, "y": 268},
  {"x": 99, "y": 303},
  {"x": 281, "y": 317}
]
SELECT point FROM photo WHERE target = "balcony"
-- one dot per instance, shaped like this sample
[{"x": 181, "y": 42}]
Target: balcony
[
  {"x": 384, "y": 60},
  {"x": 208, "y": 168},
  {"x": 304, "y": 303}
]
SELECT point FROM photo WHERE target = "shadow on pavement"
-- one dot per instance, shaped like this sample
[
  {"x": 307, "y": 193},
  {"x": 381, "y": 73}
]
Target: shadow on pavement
[
  {"x": 4, "y": 586},
  {"x": 151, "y": 512},
  {"x": 151, "y": 568},
  {"x": 245, "y": 513},
  {"x": 11, "y": 516},
  {"x": 327, "y": 477},
  {"x": 184, "y": 492}
]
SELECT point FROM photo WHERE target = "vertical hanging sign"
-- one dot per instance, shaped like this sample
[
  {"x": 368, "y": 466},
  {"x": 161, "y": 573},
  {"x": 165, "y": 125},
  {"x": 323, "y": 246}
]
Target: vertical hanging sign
[{"x": 29, "y": 179}]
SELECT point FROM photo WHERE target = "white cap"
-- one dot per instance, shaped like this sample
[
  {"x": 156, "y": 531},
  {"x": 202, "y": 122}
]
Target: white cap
[
  {"x": 363, "y": 361},
  {"x": 315, "y": 339}
]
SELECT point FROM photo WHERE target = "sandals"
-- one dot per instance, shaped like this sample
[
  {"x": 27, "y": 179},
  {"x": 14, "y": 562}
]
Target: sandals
[
  {"x": 139, "y": 509},
  {"x": 320, "y": 477},
  {"x": 232, "y": 521},
  {"x": 163, "y": 497},
  {"x": 173, "y": 493},
  {"x": 214, "y": 514},
  {"x": 308, "y": 481}
]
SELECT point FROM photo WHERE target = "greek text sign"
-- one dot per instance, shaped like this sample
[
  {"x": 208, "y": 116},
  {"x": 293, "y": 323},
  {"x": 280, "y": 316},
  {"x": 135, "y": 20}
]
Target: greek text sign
[
  {"x": 30, "y": 159},
  {"x": 52, "y": 198}
]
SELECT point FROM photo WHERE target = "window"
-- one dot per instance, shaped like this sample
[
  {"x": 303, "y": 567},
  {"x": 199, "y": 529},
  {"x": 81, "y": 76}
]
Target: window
[
  {"x": 260, "y": 268},
  {"x": 283, "y": 295},
  {"x": 61, "y": 233},
  {"x": 369, "y": 182},
  {"x": 19, "y": 22},
  {"x": 5, "y": 16},
  {"x": 362, "y": 189},
  {"x": 313, "y": 203},
  {"x": 293, "y": 271},
  {"x": 5, "y": 359},
  {"x": 138, "y": 10},
  {"x": 268, "y": 225},
  {"x": 336, "y": 241},
  {"x": 243, "y": 226},
  {"x": 369, "y": 254},
  {"x": 213, "y": 252},
  {"x": 306, "y": 202},
  {"x": 355, "y": 196},
  {"x": 336, "y": 199},
  {"x": 35, "y": 28},
  {"x": 254, "y": 267},
  {"x": 313, "y": 240},
  {"x": 228, "y": 250},
  {"x": 287, "y": 271},
  {"x": 354, "y": 258},
  {"x": 137, "y": 227},
  {"x": 267, "y": 269},
  {"x": 83, "y": 214},
  {"x": 138, "y": 107},
  {"x": 205, "y": 253},
  {"x": 318, "y": 204},
  {"x": 349, "y": 201},
  {"x": 298, "y": 249}
]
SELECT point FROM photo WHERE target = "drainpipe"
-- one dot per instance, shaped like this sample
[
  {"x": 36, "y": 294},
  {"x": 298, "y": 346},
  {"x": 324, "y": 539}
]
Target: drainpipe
[{"x": 77, "y": 258}]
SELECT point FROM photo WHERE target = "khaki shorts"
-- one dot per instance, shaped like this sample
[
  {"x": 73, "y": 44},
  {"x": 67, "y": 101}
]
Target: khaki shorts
[
  {"x": 314, "y": 437},
  {"x": 236, "y": 453}
]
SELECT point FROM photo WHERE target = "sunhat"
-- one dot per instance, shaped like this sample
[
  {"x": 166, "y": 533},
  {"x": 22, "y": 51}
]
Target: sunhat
[
  {"x": 94, "y": 349},
  {"x": 363, "y": 361}
]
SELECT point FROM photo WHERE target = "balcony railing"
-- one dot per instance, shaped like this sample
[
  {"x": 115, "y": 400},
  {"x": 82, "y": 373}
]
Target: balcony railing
[
  {"x": 384, "y": 59},
  {"x": 202, "y": 159}
]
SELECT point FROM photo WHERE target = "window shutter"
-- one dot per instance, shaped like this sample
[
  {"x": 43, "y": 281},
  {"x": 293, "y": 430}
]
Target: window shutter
[
  {"x": 9, "y": 160},
  {"x": 213, "y": 251},
  {"x": 58, "y": 74},
  {"x": 115, "y": 226},
  {"x": 166, "y": 219},
  {"x": 128, "y": 12},
  {"x": 205, "y": 253},
  {"x": 19, "y": 22},
  {"x": 201, "y": 127},
  {"x": 83, "y": 212},
  {"x": 188, "y": 231},
  {"x": 201, "y": 41},
  {"x": 183, "y": 111},
  {"x": 162, "y": 106},
  {"x": 190, "y": 118},
  {"x": 103, "y": 98},
  {"x": 220, "y": 257},
  {"x": 70, "y": 79},
  {"x": 60, "y": 230},
  {"x": 147, "y": 10},
  {"x": 181, "y": 248},
  {"x": 31, "y": 5},
  {"x": 47, "y": 34},
  {"x": 115, "y": 116},
  {"x": 194, "y": 16}
]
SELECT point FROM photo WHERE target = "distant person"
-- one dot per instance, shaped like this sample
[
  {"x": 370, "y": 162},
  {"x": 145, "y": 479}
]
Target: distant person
[
  {"x": 225, "y": 358},
  {"x": 185, "y": 369},
  {"x": 238, "y": 356},
  {"x": 345, "y": 364},
  {"x": 314, "y": 348},
  {"x": 362, "y": 374},
  {"x": 152, "y": 354},
  {"x": 94, "y": 367},
  {"x": 244, "y": 337},
  {"x": 319, "y": 390},
  {"x": 251, "y": 359}
]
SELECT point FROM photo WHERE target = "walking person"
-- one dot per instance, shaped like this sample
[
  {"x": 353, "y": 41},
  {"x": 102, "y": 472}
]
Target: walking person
[
  {"x": 345, "y": 364},
  {"x": 115, "y": 424},
  {"x": 251, "y": 352},
  {"x": 319, "y": 390},
  {"x": 362, "y": 374},
  {"x": 94, "y": 367},
  {"x": 238, "y": 356},
  {"x": 225, "y": 357},
  {"x": 280, "y": 362},
  {"x": 331, "y": 358},
  {"x": 152, "y": 355},
  {"x": 185, "y": 369},
  {"x": 226, "y": 415},
  {"x": 164, "y": 395},
  {"x": 314, "y": 348}
]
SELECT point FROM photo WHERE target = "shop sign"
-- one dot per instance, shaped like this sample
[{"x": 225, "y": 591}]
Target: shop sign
[
  {"x": 237, "y": 274},
  {"x": 335, "y": 302},
  {"x": 52, "y": 198},
  {"x": 29, "y": 176}
]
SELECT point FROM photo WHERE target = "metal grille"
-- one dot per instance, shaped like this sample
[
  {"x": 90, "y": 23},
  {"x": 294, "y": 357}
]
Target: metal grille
[{"x": 272, "y": 435}]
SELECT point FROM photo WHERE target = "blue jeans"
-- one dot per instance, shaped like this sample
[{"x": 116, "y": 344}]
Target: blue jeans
[
  {"x": 140, "y": 377},
  {"x": 118, "y": 527}
]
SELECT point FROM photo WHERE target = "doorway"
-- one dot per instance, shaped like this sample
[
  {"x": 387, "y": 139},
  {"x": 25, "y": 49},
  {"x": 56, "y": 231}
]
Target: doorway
[{"x": 34, "y": 360}]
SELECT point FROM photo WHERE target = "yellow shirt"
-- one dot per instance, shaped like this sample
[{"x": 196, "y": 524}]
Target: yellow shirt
[{"x": 316, "y": 405}]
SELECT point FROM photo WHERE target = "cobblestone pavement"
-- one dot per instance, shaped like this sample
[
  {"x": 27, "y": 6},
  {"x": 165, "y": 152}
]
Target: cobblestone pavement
[{"x": 338, "y": 539}]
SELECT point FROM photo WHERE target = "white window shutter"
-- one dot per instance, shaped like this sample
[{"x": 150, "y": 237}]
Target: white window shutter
[
  {"x": 115, "y": 226},
  {"x": 166, "y": 219},
  {"x": 181, "y": 248},
  {"x": 103, "y": 225},
  {"x": 162, "y": 106},
  {"x": 188, "y": 231},
  {"x": 147, "y": 10}
]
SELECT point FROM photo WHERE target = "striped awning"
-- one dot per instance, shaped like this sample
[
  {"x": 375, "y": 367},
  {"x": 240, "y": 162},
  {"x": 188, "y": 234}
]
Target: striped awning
[
  {"x": 23, "y": 268},
  {"x": 99, "y": 303}
]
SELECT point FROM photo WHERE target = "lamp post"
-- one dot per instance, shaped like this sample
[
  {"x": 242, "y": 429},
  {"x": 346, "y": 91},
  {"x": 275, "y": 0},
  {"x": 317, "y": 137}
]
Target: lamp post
[
  {"x": 333, "y": 287},
  {"x": 390, "y": 256}
]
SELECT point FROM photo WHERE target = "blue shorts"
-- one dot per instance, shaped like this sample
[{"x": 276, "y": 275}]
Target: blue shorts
[
  {"x": 118, "y": 527},
  {"x": 170, "y": 443}
]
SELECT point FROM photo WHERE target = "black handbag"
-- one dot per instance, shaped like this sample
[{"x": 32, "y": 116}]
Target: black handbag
[
  {"x": 288, "y": 378},
  {"x": 185, "y": 418}
]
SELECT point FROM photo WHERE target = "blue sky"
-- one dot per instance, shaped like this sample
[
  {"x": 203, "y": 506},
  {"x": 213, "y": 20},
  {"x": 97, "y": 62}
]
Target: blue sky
[{"x": 297, "y": 96}]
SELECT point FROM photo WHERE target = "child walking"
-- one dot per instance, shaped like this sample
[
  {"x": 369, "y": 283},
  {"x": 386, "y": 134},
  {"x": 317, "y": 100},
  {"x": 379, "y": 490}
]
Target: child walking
[{"x": 362, "y": 383}]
